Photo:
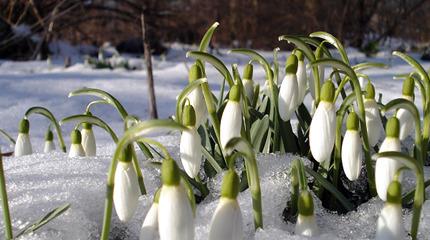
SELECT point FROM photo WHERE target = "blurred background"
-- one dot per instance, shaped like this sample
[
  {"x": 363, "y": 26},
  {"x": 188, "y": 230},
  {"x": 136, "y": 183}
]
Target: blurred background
[{"x": 27, "y": 27}]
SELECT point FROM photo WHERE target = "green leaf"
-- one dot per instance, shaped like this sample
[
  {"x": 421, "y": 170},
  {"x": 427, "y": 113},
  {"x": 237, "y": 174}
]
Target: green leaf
[
  {"x": 258, "y": 130},
  {"x": 218, "y": 64},
  {"x": 95, "y": 102},
  {"x": 327, "y": 185},
  {"x": 204, "y": 43},
  {"x": 300, "y": 44},
  {"x": 103, "y": 95},
  {"x": 367, "y": 65},
  {"x": 44, "y": 220},
  {"x": 7, "y": 136},
  {"x": 333, "y": 41},
  {"x": 423, "y": 74},
  {"x": 46, "y": 113},
  {"x": 211, "y": 160}
]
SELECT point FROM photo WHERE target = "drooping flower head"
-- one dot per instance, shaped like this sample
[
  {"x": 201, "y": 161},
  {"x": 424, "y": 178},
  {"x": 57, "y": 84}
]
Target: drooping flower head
[
  {"x": 373, "y": 117},
  {"x": 306, "y": 224},
  {"x": 23, "y": 144},
  {"x": 405, "y": 117},
  {"x": 88, "y": 139},
  {"x": 191, "y": 154},
  {"x": 248, "y": 83},
  {"x": 351, "y": 148},
  {"x": 49, "y": 141},
  {"x": 149, "y": 230},
  {"x": 323, "y": 126},
  {"x": 226, "y": 222},
  {"x": 231, "y": 120},
  {"x": 76, "y": 149},
  {"x": 302, "y": 80},
  {"x": 288, "y": 93},
  {"x": 196, "y": 96}
]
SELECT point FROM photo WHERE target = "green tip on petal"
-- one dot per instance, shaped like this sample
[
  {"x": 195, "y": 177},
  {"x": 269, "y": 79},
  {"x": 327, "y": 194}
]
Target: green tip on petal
[
  {"x": 157, "y": 195},
  {"x": 24, "y": 126},
  {"x": 306, "y": 204},
  {"x": 291, "y": 64},
  {"x": 394, "y": 193},
  {"x": 127, "y": 154},
  {"x": 234, "y": 94},
  {"x": 230, "y": 185},
  {"x": 195, "y": 73},
  {"x": 393, "y": 127},
  {"x": 327, "y": 92},
  {"x": 86, "y": 125},
  {"x": 189, "y": 116},
  {"x": 170, "y": 174},
  {"x": 49, "y": 136},
  {"x": 352, "y": 121},
  {"x": 300, "y": 56},
  {"x": 247, "y": 72},
  {"x": 76, "y": 136},
  {"x": 370, "y": 91},
  {"x": 408, "y": 87}
]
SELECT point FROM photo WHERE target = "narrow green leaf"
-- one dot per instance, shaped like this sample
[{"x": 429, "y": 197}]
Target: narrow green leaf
[
  {"x": 300, "y": 44},
  {"x": 333, "y": 41},
  {"x": 7, "y": 136},
  {"x": 93, "y": 120},
  {"x": 367, "y": 65},
  {"x": 258, "y": 130},
  {"x": 204, "y": 43},
  {"x": 95, "y": 102},
  {"x": 218, "y": 64},
  {"x": 211, "y": 160}
]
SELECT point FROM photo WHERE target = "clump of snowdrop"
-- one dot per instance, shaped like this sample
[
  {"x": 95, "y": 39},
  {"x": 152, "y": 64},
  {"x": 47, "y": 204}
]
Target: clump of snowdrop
[
  {"x": 76, "y": 149},
  {"x": 323, "y": 126},
  {"x": 226, "y": 222},
  {"x": 405, "y": 117},
  {"x": 390, "y": 223},
  {"x": 248, "y": 83},
  {"x": 386, "y": 168},
  {"x": 175, "y": 215},
  {"x": 302, "y": 80},
  {"x": 289, "y": 91},
  {"x": 352, "y": 151},
  {"x": 191, "y": 154},
  {"x": 306, "y": 224},
  {"x": 231, "y": 120},
  {"x": 49, "y": 142},
  {"x": 149, "y": 230},
  {"x": 196, "y": 96},
  {"x": 373, "y": 117},
  {"x": 88, "y": 140},
  {"x": 126, "y": 190},
  {"x": 23, "y": 144}
]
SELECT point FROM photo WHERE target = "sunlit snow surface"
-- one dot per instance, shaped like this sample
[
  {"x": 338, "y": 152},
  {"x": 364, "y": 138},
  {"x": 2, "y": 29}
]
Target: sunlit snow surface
[{"x": 38, "y": 183}]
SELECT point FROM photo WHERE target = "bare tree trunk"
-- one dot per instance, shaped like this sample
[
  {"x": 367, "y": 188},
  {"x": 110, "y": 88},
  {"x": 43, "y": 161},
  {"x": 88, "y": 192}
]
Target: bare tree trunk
[{"x": 147, "y": 52}]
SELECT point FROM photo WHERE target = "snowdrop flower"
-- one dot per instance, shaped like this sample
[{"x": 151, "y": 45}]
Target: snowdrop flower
[
  {"x": 306, "y": 224},
  {"x": 302, "y": 80},
  {"x": 373, "y": 117},
  {"x": 76, "y": 149},
  {"x": 149, "y": 230},
  {"x": 126, "y": 190},
  {"x": 23, "y": 144},
  {"x": 175, "y": 216},
  {"x": 49, "y": 142},
  {"x": 386, "y": 168},
  {"x": 406, "y": 119},
  {"x": 231, "y": 120},
  {"x": 226, "y": 223},
  {"x": 323, "y": 126},
  {"x": 88, "y": 139},
  {"x": 288, "y": 93},
  {"x": 196, "y": 96},
  {"x": 191, "y": 154},
  {"x": 248, "y": 84},
  {"x": 351, "y": 148},
  {"x": 390, "y": 224}
]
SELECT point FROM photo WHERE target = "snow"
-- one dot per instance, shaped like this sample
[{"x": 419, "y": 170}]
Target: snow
[{"x": 38, "y": 183}]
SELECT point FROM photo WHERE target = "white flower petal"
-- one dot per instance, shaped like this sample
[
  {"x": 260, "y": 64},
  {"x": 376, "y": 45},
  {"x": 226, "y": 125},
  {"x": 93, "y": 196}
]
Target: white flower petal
[
  {"x": 390, "y": 223},
  {"x": 352, "y": 153},
  {"x": 149, "y": 230},
  {"x": 231, "y": 123},
  {"x": 76, "y": 150},
  {"x": 175, "y": 216},
  {"x": 322, "y": 131},
  {"x": 302, "y": 81},
  {"x": 49, "y": 146},
  {"x": 126, "y": 191},
  {"x": 226, "y": 222},
  {"x": 197, "y": 100},
  {"x": 306, "y": 226},
  {"x": 288, "y": 97},
  {"x": 191, "y": 154},
  {"x": 386, "y": 167},
  {"x": 23, "y": 145},
  {"x": 406, "y": 121},
  {"x": 89, "y": 142},
  {"x": 249, "y": 89},
  {"x": 373, "y": 121}
]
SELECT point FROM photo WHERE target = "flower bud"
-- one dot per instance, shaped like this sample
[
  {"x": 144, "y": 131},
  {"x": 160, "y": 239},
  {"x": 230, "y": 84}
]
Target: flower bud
[
  {"x": 49, "y": 142},
  {"x": 351, "y": 148},
  {"x": 196, "y": 96},
  {"x": 306, "y": 224},
  {"x": 248, "y": 84},
  {"x": 23, "y": 144},
  {"x": 301, "y": 77},
  {"x": 76, "y": 149},
  {"x": 231, "y": 120}
]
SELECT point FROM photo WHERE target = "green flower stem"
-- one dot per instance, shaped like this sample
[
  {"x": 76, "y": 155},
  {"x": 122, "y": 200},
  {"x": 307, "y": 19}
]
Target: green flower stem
[
  {"x": 245, "y": 149},
  {"x": 358, "y": 95},
  {"x": 398, "y": 173},
  {"x": 94, "y": 120},
  {"x": 95, "y": 102},
  {"x": 276, "y": 66},
  {"x": 5, "y": 203},
  {"x": 46, "y": 113},
  {"x": 419, "y": 195},
  {"x": 133, "y": 133},
  {"x": 420, "y": 87},
  {"x": 7, "y": 136}
]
